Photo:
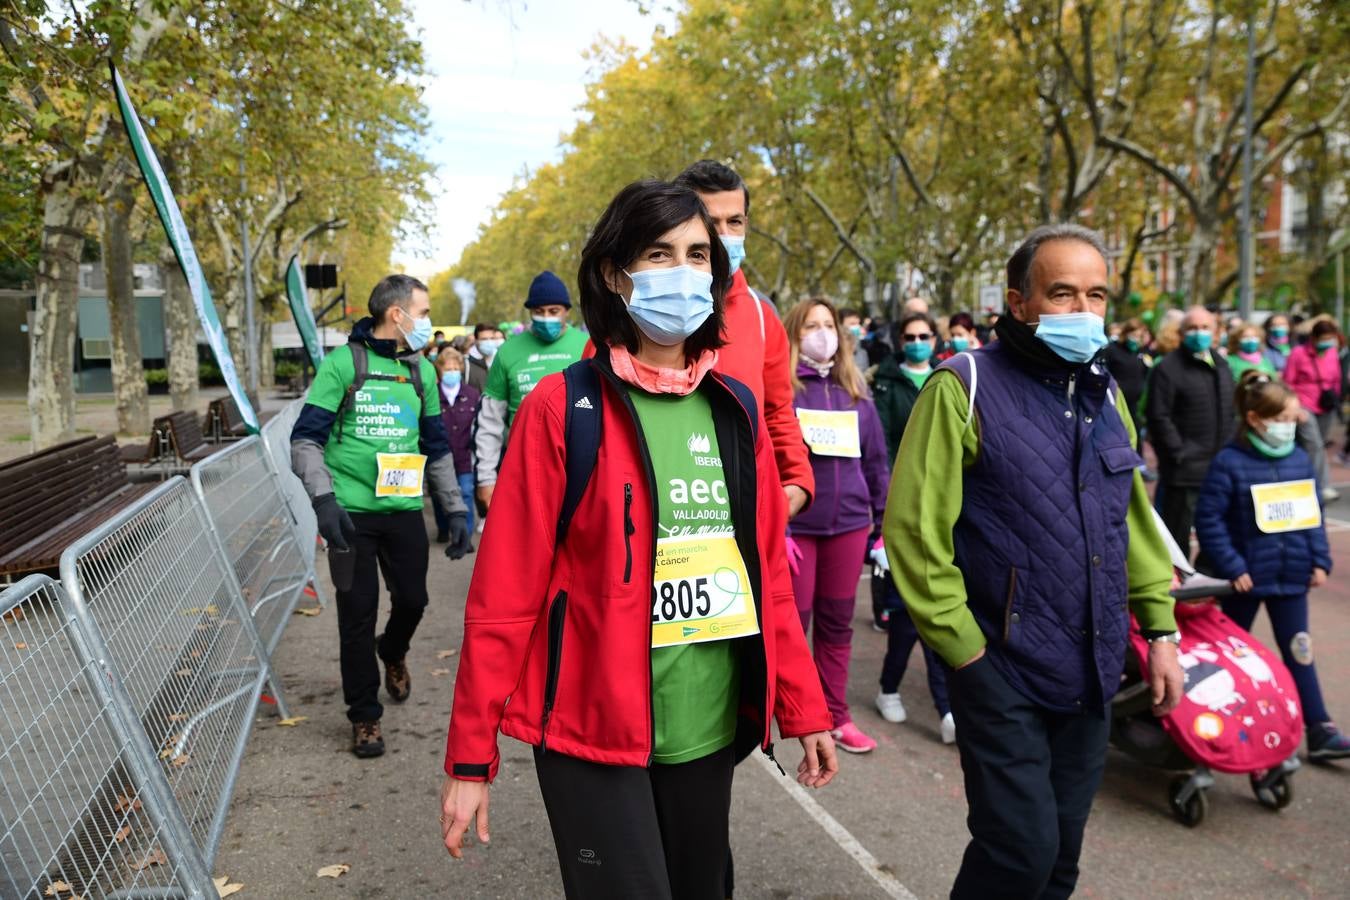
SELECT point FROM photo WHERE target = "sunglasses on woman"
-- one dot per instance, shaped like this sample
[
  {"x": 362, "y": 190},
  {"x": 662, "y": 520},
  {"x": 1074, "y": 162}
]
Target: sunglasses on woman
[{"x": 911, "y": 338}]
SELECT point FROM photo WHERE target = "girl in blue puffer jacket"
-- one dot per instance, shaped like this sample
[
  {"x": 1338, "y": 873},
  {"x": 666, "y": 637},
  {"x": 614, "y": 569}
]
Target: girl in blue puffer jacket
[{"x": 1259, "y": 521}]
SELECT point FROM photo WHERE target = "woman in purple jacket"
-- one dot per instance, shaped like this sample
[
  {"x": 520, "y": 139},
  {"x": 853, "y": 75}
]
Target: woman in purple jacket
[
  {"x": 828, "y": 542},
  {"x": 459, "y": 407}
]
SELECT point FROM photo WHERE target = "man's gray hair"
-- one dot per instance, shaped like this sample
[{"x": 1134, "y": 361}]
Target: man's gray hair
[
  {"x": 1019, "y": 264},
  {"x": 392, "y": 290}
]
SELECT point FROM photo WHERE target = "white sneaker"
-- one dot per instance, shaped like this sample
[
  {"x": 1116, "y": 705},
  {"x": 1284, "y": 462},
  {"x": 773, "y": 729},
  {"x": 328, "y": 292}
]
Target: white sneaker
[
  {"x": 1330, "y": 494},
  {"x": 890, "y": 707},
  {"x": 948, "y": 729}
]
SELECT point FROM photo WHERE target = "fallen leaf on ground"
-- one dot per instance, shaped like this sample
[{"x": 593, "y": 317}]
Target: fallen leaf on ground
[
  {"x": 308, "y": 610},
  {"x": 155, "y": 857},
  {"x": 124, "y": 803},
  {"x": 20, "y": 646},
  {"x": 14, "y": 615},
  {"x": 177, "y": 717},
  {"x": 334, "y": 871},
  {"x": 440, "y": 671},
  {"x": 293, "y": 720},
  {"x": 224, "y": 888},
  {"x": 57, "y": 888},
  {"x": 181, "y": 760},
  {"x": 446, "y": 654},
  {"x": 183, "y": 673},
  {"x": 121, "y": 834}
]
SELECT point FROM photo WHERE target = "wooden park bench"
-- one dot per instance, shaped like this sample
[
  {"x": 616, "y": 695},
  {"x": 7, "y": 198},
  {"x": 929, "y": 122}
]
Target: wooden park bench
[
  {"x": 224, "y": 421},
  {"x": 185, "y": 436},
  {"x": 50, "y": 499}
]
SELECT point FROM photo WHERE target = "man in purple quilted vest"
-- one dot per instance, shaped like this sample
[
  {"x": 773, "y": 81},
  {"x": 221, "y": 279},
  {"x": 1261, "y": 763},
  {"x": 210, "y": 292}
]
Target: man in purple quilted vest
[{"x": 1020, "y": 535}]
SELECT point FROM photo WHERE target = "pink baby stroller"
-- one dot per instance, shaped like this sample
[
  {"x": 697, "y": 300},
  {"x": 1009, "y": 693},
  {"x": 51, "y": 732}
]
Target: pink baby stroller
[{"x": 1239, "y": 714}]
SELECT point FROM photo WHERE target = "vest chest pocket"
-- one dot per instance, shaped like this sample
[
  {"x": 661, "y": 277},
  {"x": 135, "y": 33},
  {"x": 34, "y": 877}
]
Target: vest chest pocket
[{"x": 1119, "y": 462}]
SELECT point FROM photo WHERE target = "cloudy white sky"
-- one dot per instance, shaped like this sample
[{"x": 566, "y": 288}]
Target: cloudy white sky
[{"x": 506, "y": 78}]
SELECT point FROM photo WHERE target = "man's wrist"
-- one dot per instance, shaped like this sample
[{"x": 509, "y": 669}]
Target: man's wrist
[{"x": 1163, "y": 637}]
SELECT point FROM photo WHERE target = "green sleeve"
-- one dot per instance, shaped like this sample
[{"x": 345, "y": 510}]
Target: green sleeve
[
  {"x": 495, "y": 387},
  {"x": 921, "y": 511},
  {"x": 431, "y": 389},
  {"x": 331, "y": 381},
  {"x": 1148, "y": 565}
]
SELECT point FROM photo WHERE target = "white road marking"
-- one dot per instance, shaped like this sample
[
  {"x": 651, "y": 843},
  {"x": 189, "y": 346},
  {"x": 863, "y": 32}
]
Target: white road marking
[
  {"x": 838, "y": 833},
  {"x": 1336, "y": 524}
]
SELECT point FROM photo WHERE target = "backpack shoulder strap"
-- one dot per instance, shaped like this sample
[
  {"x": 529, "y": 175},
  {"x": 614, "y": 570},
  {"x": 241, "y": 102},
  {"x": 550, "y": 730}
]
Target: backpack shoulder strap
[
  {"x": 360, "y": 370},
  {"x": 581, "y": 437},
  {"x": 415, "y": 376},
  {"x": 747, "y": 399}
]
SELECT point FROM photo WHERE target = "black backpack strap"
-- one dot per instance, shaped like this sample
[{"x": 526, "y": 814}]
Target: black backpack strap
[
  {"x": 581, "y": 437},
  {"x": 747, "y": 398},
  {"x": 415, "y": 376},
  {"x": 360, "y": 371}
]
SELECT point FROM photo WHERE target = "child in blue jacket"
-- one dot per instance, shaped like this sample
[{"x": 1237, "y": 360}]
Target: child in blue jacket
[{"x": 1259, "y": 521}]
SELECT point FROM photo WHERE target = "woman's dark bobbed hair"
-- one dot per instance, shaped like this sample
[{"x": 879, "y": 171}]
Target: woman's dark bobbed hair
[{"x": 636, "y": 218}]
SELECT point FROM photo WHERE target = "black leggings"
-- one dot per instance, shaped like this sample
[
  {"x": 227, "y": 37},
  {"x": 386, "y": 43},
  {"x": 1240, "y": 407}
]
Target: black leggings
[{"x": 630, "y": 833}]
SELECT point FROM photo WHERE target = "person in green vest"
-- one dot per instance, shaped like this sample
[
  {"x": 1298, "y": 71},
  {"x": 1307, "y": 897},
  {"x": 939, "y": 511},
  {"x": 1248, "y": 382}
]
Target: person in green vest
[
  {"x": 1245, "y": 347},
  {"x": 548, "y": 346},
  {"x": 367, "y": 445}
]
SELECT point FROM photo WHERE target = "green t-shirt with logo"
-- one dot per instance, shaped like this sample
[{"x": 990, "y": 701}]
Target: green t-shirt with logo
[
  {"x": 695, "y": 687},
  {"x": 383, "y": 418},
  {"x": 524, "y": 360}
]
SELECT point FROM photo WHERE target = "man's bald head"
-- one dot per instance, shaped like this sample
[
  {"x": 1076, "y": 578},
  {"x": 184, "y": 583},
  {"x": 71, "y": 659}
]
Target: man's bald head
[
  {"x": 1197, "y": 318},
  {"x": 916, "y": 305}
]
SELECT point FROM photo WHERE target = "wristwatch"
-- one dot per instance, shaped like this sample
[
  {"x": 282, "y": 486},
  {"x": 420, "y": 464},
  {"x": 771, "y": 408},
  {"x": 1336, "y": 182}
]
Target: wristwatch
[{"x": 1173, "y": 638}]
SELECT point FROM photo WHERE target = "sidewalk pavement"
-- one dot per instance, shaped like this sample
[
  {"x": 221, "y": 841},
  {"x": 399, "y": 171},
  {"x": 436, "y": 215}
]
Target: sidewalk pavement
[{"x": 891, "y": 826}]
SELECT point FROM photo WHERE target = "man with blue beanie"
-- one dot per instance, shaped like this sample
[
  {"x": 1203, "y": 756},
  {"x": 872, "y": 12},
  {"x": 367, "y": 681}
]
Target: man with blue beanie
[{"x": 548, "y": 346}]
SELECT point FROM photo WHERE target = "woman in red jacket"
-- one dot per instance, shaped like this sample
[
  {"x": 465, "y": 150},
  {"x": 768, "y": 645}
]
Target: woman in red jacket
[{"x": 647, "y": 650}]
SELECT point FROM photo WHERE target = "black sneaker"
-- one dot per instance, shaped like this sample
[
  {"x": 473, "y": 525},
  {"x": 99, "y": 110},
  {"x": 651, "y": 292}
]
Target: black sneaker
[
  {"x": 367, "y": 742},
  {"x": 1326, "y": 742},
  {"x": 397, "y": 680}
]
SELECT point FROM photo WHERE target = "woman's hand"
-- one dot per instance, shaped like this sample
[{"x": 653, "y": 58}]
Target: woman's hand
[
  {"x": 1243, "y": 583},
  {"x": 1319, "y": 578},
  {"x": 461, "y": 803},
  {"x": 820, "y": 763}
]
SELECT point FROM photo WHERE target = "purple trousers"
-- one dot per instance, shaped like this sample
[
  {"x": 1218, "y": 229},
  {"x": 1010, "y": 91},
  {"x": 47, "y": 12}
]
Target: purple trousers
[{"x": 826, "y": 587}]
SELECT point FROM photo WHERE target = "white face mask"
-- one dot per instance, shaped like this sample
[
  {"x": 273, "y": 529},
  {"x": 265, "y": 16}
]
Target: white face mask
[{"x": 1279, "y": 434}]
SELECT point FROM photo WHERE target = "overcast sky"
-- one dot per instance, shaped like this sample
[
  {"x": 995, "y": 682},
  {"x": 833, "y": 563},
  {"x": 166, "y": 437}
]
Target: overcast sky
[{"x": 506, "y": 78}]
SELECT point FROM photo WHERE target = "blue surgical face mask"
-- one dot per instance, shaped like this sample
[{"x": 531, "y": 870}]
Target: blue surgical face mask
[
  {"x": 918, "y": 351},
  {"x": 1075, "y": 337},
  {"x": 488, "y": 346},
  {"x": 735, "y": 244},
  {"x": 420, "y": 335},
  {"x": 960, "y": 344},
  {"x": 547, "y": 328},
  {"x": 452, "y": 379},
  {"x": 1249, "y": 345},
  {"x": 1198, "y": 341},
  {"x": 669, "y": 305}
]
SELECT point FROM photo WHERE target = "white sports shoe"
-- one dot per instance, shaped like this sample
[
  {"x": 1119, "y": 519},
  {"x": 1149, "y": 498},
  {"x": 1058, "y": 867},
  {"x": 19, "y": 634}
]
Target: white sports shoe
[
  {"x": 890, "y": 707},
  {"x": 948, "y": 729}
]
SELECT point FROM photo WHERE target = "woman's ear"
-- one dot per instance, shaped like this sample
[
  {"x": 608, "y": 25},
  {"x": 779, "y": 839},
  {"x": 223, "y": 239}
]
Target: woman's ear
[{"x": 616, "y": 280}]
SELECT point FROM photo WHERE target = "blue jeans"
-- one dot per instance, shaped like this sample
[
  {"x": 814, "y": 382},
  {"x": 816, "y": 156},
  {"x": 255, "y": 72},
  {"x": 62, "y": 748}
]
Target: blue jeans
[{"x": 466, "y": 486}]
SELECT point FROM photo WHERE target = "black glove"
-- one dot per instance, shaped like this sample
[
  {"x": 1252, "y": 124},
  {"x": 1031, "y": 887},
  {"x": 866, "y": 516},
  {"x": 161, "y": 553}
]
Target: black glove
[
  {"x": 334, "y": 523},
  {"x": 459, "y": 536}
]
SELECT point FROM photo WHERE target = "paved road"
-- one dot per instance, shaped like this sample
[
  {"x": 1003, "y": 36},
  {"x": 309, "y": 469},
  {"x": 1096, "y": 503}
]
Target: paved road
[{"x": 304, "y": 802}]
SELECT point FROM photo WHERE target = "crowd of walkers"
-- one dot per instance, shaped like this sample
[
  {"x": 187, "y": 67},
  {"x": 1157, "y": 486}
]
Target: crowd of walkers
[{"x": 678, "y": 495}]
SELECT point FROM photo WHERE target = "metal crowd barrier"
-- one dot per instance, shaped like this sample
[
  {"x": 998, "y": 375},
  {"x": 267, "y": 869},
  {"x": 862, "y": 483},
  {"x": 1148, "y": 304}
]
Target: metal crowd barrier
[
  {"x": 253, "y": 522},
  {"x": 276, "y": 436},
  {"x": 160, "y": 603},
  {"x": 85, "y": 808}
]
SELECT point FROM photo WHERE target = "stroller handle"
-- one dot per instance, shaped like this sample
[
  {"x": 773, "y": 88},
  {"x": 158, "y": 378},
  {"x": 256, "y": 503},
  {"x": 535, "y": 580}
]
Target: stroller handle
[{"x": 1199, "y": 588}]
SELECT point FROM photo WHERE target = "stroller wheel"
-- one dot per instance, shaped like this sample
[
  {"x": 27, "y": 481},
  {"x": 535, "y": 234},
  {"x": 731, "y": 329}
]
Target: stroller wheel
[
  {"x": 1273, "y": 792},
  {"x": 1189, "y": 804}
]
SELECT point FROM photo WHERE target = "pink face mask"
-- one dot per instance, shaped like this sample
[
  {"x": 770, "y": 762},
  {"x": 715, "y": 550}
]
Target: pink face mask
[{"x": 820, "y": 345}]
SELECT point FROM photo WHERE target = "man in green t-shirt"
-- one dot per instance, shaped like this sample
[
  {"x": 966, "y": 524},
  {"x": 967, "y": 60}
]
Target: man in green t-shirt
[
  {"x": 369, "y": 436},
  {"x": 548, "y": 346}
]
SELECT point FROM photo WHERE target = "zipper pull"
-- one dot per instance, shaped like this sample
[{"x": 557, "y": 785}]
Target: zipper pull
[{"x": 768, "y": 751}]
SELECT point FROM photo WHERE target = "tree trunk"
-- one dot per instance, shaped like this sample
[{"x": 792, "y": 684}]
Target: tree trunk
[
  {"x": 181, "y": 317},
  {"x": 51, "y": 375},
  {"x": 1199, "y": 271},
  {"x": 267, "y": 369},
  {"x": 128, "y": 372}
]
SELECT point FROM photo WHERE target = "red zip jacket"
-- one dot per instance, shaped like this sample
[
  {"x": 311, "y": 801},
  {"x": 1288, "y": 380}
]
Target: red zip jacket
[
  {"x": 756, "y": 355},
  {"x": 557, "y": 640}
]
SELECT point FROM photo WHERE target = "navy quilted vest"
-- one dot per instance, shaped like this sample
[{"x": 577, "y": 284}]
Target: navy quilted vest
[{"x": 1042, "y": 536}]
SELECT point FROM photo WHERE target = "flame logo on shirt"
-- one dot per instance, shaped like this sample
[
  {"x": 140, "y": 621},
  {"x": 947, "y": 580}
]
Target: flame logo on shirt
[{"x": 699, "y": 443}]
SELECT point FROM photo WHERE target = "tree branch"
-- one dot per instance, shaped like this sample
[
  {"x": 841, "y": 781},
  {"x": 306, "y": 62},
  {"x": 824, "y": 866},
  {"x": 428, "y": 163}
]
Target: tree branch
[
  {"x": 844, "y": 236},
  {"x": 1130, "y": 148}
]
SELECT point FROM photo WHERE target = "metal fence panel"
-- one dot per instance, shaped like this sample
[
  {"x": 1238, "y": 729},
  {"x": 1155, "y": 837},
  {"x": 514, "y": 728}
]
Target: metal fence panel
[
  {"x": 276, "y": 435},
  {"x": 160, "y": 603},
  {"x": 243, "y": 500},
  {"x": 84, "y": 810}
]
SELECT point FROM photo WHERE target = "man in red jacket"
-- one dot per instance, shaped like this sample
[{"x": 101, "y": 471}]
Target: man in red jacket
[{"x": 756, "y": 350}]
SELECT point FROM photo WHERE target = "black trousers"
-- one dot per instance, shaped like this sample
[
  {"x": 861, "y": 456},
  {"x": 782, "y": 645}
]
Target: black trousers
[
  {"x": 628, "y": 833},
  {"x": 1030, "y": 778},
  {"x": 1177, "y": 508},
  {"x": 396, "y": 542}
]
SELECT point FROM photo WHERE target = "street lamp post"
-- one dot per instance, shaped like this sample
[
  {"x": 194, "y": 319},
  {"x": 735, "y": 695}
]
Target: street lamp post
[{"x": 1246, "y": 242}]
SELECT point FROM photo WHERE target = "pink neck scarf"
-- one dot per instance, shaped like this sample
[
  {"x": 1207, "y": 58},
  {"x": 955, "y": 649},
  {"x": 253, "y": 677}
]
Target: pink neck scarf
[{"x": 658, "y": 380}]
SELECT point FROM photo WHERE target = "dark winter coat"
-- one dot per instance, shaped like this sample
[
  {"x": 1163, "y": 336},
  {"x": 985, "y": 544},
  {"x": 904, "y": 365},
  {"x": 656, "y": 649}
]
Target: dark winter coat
[
  {"x": 895, "y": 395},
  {"x": 459, "y": 418},
  {"x": 1190, "y": 414},
  {"x": 1225, "y": 522},
  {"x": 1131, "y": 373}
]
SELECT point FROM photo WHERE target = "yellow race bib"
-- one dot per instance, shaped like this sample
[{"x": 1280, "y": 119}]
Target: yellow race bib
[
  {"x": 701, "y": 592},
  {"x": 399, "y": 475},
  {"x": 831, "y": 432},
  {"x": 1286, "y": 506}
]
